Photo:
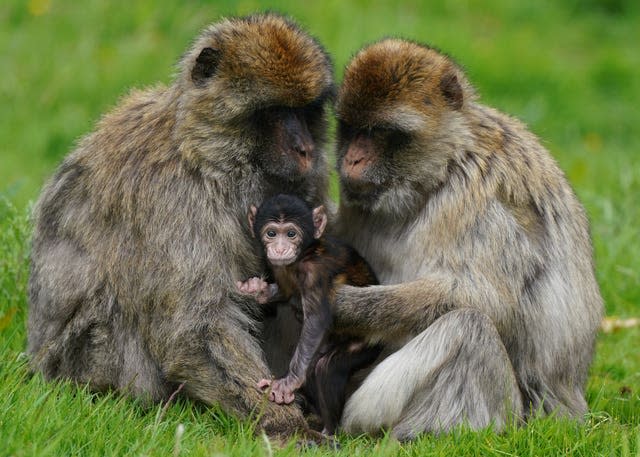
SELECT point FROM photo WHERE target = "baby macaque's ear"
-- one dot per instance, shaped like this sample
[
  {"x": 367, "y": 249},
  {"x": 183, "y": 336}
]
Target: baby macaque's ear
[
  {"x": 252, "y": 218},
  {"x": 319, "y": 221}
]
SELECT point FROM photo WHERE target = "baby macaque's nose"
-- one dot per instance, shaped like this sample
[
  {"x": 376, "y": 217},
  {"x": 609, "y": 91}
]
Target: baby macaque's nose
[{"x": 280, "y": 249}]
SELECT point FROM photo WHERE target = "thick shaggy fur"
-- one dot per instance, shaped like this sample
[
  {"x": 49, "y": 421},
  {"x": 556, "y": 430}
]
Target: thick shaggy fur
[
  {"x": 141, "y": 234},
  {"x": 481, "y": 246}
]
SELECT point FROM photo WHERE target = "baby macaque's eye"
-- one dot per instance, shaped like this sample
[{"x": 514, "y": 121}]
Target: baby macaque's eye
[
  {"x": 271, "y": 233},
  {"x": 291, "y": 234}
]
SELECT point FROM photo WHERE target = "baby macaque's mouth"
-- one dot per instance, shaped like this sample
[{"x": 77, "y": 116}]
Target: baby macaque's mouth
[{"x": 281, "y": 262}]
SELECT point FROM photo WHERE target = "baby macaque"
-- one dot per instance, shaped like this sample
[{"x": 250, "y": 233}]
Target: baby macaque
[{"x": 308, "y": 267}]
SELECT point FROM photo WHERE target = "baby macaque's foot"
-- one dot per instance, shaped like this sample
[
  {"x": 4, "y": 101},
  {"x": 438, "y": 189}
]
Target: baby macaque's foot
[
  {"x": 282, "y": 390},
  {"x": 257, "y": 287},
  {"x": 264, "y": 384}
]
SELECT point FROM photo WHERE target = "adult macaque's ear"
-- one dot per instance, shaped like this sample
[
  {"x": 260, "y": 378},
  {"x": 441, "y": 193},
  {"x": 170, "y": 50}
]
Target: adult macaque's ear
[
  {"x": 452, "y": 90},
  {"x": 319, "y": 221},
  {"x": 205, "y": 66},
  {"x": 252, "y": 218}
]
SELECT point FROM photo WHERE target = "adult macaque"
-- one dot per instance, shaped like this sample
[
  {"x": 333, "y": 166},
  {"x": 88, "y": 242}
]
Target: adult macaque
[
  {"x": 481, "y": 246},
  {"x": 308, "y": 267},
  {"x": 141, "y": 234}
]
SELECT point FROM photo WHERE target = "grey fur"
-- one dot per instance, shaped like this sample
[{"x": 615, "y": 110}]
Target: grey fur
[
  {"x": 479, "y": 217},
  {"x": 141, "y": 234},
  {"x": 462, "y": 377}
]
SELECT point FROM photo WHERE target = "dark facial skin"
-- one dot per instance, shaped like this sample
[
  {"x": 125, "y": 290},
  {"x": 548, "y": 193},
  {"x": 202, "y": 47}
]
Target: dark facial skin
[
  {"x": 309, "y": 266},
  {"x": 287, "y": 137}
]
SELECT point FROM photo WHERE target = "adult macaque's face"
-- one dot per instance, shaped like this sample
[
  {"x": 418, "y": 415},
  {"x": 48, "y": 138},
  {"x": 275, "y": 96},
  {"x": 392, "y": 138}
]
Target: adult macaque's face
[{"x": 289, "y": 139}]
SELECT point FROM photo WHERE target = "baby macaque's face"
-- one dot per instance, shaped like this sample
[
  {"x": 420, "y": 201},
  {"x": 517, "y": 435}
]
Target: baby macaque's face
[
  {"x": 286, "y": 226},
  {"x": 282, "y": 242}
]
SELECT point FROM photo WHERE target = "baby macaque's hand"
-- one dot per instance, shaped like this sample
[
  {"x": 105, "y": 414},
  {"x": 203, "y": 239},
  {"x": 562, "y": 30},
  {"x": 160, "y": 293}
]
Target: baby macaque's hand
[
  {"x": 257, "y": 287},
  {"x": 282, "y": 390}
]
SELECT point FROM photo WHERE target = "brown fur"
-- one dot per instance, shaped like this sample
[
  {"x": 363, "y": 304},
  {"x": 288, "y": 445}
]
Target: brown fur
[
  {"x": 389, "y": 78},
  {"x": 481, "y": 246},
  {"x": 140, "y": 235}
]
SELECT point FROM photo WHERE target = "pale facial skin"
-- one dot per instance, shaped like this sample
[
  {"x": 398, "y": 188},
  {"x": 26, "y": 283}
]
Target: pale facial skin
[{"x": 282, "y": 242}]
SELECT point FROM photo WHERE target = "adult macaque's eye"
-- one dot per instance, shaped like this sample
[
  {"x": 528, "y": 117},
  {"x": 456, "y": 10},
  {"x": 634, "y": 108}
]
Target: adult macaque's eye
[
  {"x": 291, "y": 234},
  {"x": 271, "y": 233}
]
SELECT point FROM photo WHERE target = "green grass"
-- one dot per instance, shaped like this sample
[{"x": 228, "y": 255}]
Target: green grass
[{"x": 568, "y": 69}]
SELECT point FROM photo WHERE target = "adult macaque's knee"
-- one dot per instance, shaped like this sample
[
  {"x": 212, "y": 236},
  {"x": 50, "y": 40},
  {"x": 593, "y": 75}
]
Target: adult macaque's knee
[{"x": 455, "y": 372}]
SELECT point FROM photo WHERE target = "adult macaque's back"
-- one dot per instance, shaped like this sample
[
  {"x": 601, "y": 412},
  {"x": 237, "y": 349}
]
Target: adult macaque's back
[
  {"x": 481, "y": 246},
  {"x": 140, "y": 235}
]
